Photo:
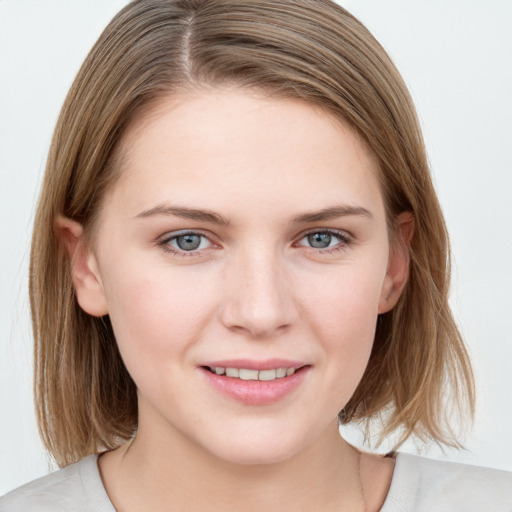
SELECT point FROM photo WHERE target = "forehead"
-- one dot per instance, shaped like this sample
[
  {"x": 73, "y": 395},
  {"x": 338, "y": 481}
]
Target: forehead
[{"x": 242, "y": 145}]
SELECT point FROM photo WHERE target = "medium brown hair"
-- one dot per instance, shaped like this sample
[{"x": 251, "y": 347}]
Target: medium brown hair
[{"x": 313, "y": 50}]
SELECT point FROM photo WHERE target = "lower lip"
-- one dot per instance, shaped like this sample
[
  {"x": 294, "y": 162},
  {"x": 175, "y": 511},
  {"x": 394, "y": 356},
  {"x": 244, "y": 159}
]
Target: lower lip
[{"x": 256, "y": 392}]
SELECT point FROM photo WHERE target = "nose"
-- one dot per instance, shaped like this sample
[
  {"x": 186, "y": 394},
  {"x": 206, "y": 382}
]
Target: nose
[{"x": 258, "y": 297}]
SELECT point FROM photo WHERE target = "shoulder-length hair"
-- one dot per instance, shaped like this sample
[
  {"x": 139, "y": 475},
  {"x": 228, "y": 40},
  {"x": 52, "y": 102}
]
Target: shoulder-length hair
[{"x": 313, "y": 50}]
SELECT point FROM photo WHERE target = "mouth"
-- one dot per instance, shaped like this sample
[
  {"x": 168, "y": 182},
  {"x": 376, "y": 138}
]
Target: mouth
[
  {"x": 255, "y": 383},
  {"x": 249, "y": 374}
]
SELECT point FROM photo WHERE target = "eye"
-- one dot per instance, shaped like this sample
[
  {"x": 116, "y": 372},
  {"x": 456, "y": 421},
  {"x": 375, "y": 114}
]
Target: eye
[
  {"x": 326, "y": 239},
  {"x": 185, "y": 242}
]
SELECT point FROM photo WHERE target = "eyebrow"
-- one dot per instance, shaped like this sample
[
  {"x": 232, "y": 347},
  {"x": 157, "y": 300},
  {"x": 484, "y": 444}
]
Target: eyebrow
[
  {"x": 186, "y": 213},
  {"x": 331, "y": 213},
  {"x": 215, "y": 218}
]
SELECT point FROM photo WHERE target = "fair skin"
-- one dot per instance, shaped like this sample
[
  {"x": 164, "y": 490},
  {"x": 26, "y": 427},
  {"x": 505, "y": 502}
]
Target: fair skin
[{"x": 246, "y": 233}]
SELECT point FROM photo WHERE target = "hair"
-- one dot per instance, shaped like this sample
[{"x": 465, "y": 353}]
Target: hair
[{"x": 312, "y": 50}]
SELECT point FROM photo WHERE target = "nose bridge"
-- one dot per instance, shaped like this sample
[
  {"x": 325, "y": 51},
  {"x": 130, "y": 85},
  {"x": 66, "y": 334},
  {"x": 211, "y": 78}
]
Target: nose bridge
[{"x": 258, "y": 298}]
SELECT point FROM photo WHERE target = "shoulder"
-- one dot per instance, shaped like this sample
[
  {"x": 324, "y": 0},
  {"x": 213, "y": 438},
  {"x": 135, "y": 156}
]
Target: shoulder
[
  {"x": 423, "y": 484},
  {"x": 77, "y": 487}
]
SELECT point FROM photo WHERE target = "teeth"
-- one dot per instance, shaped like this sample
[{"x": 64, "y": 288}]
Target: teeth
[
  {"x": 248, "y": 374},
  {"x": 267, "y": 375},
  {"x": 245, "y": 374},
  {"x": 232, "y": 372}
]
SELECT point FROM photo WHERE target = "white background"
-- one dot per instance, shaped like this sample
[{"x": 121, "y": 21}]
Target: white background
[{"x": 455, "y": 55}]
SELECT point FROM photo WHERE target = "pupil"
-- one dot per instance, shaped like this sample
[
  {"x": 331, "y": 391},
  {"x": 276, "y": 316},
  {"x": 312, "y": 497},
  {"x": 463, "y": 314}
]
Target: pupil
[
  {"x": 319, "y": 240},
  {"x": 188, "y": 242}
]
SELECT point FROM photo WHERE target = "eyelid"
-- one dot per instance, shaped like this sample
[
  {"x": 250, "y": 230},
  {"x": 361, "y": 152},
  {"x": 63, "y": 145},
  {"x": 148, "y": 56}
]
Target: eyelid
[
  {"x": 164, "y": 240},
  {"x": 344, "y": 237},
  {"x": 333, "y": 231},
  {"x": 182, "y": 232}
]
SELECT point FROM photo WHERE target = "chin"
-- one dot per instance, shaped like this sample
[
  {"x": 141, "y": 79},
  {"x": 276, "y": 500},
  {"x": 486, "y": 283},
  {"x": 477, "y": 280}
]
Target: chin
[
  {"x": 257, "y": 446},
  {"x": 257, "y": 455}
]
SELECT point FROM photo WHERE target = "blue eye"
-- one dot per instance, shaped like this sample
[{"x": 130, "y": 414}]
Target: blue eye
[
  {"x": 326, "y": 239},
  {"x": 189, "y": 242},
  {"x": 320, "y": 240},
  {"x": 185, "y": 242}
]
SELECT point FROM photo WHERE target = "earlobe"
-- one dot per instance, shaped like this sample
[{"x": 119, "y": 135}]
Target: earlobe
[
  {"x": 398, "y": 265},
  {"x": 84, "y": 267}
]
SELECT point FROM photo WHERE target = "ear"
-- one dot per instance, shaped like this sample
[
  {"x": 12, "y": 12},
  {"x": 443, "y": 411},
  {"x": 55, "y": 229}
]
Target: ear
[
  {"x": 84, "y": 268},
  {"x": 398, "y": 264}
]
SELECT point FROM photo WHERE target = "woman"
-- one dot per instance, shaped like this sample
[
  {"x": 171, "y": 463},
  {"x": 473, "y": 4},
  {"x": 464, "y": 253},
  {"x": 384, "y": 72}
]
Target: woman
[{"x": 238, "y": 245}]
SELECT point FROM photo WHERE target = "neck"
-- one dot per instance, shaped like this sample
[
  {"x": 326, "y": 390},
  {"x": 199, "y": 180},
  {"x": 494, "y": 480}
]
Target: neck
[{"x": 179, "y": 475}]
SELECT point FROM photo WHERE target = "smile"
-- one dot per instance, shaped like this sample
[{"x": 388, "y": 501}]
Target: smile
[
  {"x": 246, "y": 374},
  {"x": 255, "y": 383}
]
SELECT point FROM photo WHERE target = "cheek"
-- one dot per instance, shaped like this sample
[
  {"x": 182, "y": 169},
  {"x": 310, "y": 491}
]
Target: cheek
[
  {"x": 155, "y": 312},
  {"x": 342, "y": 312},
  {"x": 345, "y": 300}
]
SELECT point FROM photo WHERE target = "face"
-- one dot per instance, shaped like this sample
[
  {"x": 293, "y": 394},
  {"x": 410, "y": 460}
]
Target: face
[{"x": 243, "y": 258}]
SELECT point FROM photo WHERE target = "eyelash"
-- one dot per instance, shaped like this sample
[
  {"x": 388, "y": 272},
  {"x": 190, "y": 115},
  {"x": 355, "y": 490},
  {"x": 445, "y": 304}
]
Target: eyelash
[
  {"x": 165, "y": 244},
  {"x": 344, "y": 241}
]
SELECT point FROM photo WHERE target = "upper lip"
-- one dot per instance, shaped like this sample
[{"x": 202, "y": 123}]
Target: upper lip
[{"x": 251, "y": 364}]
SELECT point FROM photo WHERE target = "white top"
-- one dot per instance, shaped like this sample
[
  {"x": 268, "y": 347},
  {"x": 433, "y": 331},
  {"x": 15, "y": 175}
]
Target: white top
[{"x": 418, "y": 485}]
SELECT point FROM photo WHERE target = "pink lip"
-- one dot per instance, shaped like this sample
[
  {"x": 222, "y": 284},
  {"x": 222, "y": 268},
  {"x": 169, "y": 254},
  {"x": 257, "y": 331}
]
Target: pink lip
[
  {"x": 251, "y": 364},
  {"x": 254, "y": 392}
]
